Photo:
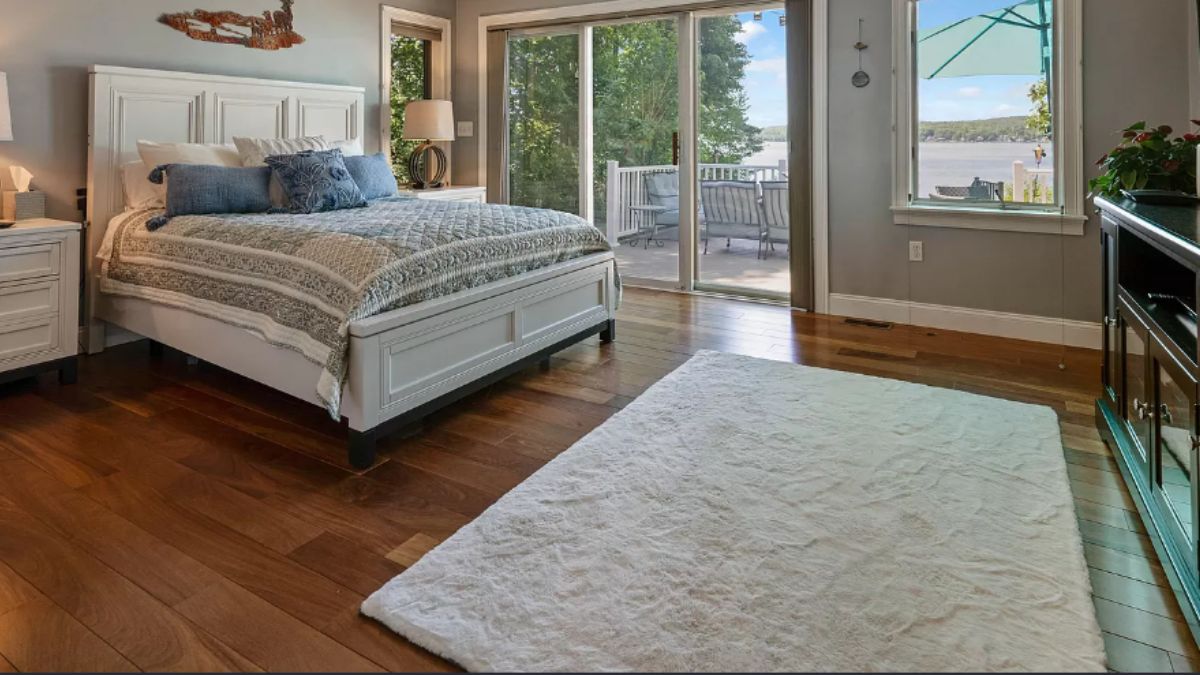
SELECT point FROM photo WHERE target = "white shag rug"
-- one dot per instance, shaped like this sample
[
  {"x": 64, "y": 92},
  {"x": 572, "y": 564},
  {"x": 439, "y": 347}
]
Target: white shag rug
[{"x": 749, "y": 515}]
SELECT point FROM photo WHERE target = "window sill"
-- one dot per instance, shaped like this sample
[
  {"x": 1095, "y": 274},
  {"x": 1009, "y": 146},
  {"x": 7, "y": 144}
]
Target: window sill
[{"x": 990, "y": 219}]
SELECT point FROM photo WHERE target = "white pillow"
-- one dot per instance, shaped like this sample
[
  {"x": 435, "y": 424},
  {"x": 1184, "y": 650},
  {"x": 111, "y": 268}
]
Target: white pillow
[
  {"x": 255, "y": 151},
  {"x": 140, "y": 193},
  {"x": 156, "y": 154},
  {"x": 350, "y": 148}
]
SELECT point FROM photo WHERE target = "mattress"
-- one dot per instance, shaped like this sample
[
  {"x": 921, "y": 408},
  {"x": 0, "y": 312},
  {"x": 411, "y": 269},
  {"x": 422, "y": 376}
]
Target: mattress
[{"x": 299, "y": 280}]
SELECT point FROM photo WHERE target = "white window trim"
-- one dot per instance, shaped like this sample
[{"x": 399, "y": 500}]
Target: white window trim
[
  {"x": 1068, "y": 136},
  {"x": 440, "y": 67}
]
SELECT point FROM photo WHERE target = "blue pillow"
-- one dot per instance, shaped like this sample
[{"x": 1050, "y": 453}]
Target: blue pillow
[
  {"x": 316, "y": 181},
  {"x": 374, "y": 176},
  {"x": 198, "y": 189}
]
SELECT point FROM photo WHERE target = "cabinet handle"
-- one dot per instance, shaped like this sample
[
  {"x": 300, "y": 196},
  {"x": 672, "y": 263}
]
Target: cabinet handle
[
  {"x": 1165, "y": 414},
  {"x": 1142, "y": 410},
  {"x": 1110, "y": 322}
]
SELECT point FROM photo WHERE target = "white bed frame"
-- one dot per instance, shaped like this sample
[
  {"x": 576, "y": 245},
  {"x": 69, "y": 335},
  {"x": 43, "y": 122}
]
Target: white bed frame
[{"x": 403, "y": 364}]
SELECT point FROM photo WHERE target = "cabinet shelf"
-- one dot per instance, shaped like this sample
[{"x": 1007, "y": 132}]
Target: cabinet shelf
[{"x": 1170, "y": 316}]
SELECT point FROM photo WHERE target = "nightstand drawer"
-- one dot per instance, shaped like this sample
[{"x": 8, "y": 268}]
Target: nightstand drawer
[
  {"x": 21, "y": 301},
  {"x": 29, "y": 262},
  {"x": 31, "y": 336}
]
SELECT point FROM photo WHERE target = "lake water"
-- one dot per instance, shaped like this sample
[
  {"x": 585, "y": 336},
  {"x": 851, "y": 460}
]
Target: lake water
[{"x": 947, "y": 163}]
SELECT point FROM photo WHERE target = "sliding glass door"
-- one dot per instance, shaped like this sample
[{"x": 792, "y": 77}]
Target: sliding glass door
[
  {"x": 669, "y": 133},
  {"x": 543, "y": 121},
  {"x": 743, "y": 223}
]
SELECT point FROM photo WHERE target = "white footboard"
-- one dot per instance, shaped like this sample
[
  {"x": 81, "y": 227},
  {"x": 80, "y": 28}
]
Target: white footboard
[{"x": 403, "y": 360}]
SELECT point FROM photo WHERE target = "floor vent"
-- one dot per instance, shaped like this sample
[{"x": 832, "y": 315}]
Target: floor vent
[{"x": 867, "y": 323}]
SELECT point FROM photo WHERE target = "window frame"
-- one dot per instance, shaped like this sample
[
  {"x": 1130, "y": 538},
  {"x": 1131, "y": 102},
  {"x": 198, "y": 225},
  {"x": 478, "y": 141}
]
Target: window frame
[
  {"x": 440, "y": 54},
  {"x": 1068, "y": 217}
]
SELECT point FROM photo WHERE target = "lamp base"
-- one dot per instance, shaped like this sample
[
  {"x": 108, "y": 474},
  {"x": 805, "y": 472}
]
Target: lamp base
[{"x": 427, "y": 167}]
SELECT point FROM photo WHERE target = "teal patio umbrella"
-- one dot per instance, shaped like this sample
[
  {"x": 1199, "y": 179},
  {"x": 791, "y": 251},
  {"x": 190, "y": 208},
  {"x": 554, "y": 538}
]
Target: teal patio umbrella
[{"x": 1012, "y": 40}]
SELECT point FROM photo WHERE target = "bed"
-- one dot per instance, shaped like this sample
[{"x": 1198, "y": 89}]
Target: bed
[{"x": 401, "y": 363}]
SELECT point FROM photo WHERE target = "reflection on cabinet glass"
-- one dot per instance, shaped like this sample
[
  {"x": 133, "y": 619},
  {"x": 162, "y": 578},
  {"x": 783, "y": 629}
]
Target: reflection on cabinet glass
[
  {"x": 1111, "y": 335},
  {"x": 1133, "y": 371},
  {"x": 1175, "y": 455}
]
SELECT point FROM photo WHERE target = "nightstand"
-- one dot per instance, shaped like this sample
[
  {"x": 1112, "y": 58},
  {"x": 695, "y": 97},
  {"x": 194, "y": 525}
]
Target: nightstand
[
  {"x": 39, "y": 299},
  {"x": 457, "y": 193}
]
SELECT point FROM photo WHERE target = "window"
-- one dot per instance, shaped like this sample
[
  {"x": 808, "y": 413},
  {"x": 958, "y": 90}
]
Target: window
[
  {"x": 416, "y": 57},
  {"x": 987, "y": 114}
]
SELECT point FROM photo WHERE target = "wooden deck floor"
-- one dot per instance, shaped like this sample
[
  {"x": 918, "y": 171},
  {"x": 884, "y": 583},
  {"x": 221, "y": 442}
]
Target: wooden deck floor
[{"x": 160, "y": 517}]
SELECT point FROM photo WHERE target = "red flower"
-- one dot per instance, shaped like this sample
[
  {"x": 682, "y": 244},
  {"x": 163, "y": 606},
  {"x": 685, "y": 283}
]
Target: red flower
[
  {"x": 1171, "y": 166},
  {"x": 1143, "y": 137},
  {"x": 1129, "y": 134},
  {"x": 1102, "y": 160},
  {"x": 1191, "y": 138},
  {"x": 1166, "y": 130}
]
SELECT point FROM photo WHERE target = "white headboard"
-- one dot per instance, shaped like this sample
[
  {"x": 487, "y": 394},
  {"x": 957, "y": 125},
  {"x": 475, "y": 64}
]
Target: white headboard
[{"x": 132, "y": 104}]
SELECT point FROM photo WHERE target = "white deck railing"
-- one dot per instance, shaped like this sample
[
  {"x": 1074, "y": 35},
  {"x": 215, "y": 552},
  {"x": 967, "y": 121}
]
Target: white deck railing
[
  {"x": 627, "y": 188},
  {"x": 1023, "y": 182}
]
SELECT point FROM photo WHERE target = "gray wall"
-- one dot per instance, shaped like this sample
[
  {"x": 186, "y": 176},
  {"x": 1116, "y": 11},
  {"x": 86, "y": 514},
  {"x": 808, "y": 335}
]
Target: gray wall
[
  {"x": 1137, "y": 61},
  {"x": 47, "y": 45}
]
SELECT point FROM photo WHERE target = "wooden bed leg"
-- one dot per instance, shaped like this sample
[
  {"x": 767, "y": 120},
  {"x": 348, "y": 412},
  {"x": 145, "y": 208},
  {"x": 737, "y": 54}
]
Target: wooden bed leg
[
  {"x": 609, "y": 334},
  {"x": 68, "y": 373},
  {"x": 544, "y": 365},
  {"x": 362, "y": 449},
  {"x": 157, "y": 350}
]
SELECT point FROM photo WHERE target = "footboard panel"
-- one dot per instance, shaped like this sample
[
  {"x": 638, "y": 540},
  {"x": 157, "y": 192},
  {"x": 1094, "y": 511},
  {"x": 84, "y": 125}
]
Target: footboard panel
[{"x": 405, "y": 366}]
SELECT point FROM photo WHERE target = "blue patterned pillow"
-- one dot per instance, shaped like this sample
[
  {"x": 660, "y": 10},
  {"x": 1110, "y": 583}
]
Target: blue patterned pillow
[{"x": 316, "y": 181}]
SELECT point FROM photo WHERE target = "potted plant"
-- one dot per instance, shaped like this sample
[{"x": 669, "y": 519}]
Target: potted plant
[{"x": 1148, "y": 159}]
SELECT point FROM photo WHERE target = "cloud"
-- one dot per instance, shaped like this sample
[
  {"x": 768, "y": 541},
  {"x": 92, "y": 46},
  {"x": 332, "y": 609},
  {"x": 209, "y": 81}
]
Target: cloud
[
  {"x": 1010, "y": 109},
  {"x": 970, "y": 92},
  {"x": 749, "y": 31},
  {"x": 775, "y": 66}
]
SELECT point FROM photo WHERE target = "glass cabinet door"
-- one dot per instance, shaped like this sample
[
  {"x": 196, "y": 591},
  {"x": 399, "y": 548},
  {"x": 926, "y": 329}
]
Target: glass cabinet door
[
  {"x": 1135, "y": 395},
  {"x": 1175, "y": 454},
  {"x": 1112, "y": 338}
]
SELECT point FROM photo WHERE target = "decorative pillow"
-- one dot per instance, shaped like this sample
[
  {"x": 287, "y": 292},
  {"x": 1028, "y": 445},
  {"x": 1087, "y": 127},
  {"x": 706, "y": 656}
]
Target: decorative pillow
[
  {"x": 317, "y": 180},
  {"x": 255, "y": 151},
  {"x": 349, "y": 148},
  {"x": 199, "y": 190},
  {"x": 158, "y": 154},
  {"x": 140, "y": 193},
  {"x": 373, "y": 175}
]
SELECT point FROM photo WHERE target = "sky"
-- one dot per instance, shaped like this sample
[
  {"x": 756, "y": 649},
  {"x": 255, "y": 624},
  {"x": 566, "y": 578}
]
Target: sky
[{"x": 943, "y": 99}]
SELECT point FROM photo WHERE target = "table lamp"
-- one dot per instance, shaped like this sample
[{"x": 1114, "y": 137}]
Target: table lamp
[{"x": 428, "y": 121}]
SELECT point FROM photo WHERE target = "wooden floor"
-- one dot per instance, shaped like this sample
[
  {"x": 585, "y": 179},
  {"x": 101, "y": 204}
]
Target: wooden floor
[{"x": 156, "y": 516}]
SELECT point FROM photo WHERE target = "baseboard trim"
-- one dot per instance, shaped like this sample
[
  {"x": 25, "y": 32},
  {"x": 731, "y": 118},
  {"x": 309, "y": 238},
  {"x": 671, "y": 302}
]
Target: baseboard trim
[{"x": 967, "y": 320}]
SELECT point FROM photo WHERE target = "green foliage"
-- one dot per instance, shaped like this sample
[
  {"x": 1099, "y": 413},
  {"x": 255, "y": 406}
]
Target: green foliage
[
  {"x": 1148, "y": 159},
  {"x": 995, "y": 130},
  {"x": 636, "y": 106},
  {"x": 1040, "y": 121},
  {"x": 408, "y": 84},
  {"x": 774, "y": 134}
]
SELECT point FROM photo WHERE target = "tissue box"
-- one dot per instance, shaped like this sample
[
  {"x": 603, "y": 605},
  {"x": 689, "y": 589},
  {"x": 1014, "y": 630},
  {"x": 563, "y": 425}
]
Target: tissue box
[{"x": 23, "y": 205}]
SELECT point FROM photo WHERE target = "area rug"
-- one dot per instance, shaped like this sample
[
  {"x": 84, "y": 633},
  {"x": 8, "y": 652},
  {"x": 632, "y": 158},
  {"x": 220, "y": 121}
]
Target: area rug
[{"x": 749, "y": 515}]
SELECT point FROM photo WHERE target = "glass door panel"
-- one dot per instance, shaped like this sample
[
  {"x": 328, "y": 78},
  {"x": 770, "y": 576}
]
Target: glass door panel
[
  {"x": 543, "y": 121},
  {"x": 743, "y": 221},
  {"x": 635, "y": 130},
  {"x": 1135, "y": 394},
  {"x": 1111, "y": 336},
  {"x": 1175, "y": 476}
]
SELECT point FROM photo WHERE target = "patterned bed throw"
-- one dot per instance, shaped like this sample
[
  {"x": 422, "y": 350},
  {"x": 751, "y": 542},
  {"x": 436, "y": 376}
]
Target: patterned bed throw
[{"x": 299, "y": 281}]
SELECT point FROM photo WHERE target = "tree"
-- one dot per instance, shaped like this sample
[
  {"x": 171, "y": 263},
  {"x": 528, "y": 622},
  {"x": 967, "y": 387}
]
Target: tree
[
  {"x": 408, "y": 84},
  {"x": 726, "y": 135},
  {"x": 1040, "y": 120}
]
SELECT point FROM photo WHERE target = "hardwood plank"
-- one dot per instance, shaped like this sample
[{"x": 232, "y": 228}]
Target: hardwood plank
[
  {"x": 267, "y": 635},
  {"x": 347, "y": 563},
  {"x": 1128, "y": 656},
  {"x": 1144, "y": 627},
  {"x": 106, "y": 602},
  {"x": 40, "y": 637},
  {"x": 1134, "y": 593},
  {"x": 1184, "y": 664},
  {"x": 408, "y": 553},
  {"x": 1143, "y": 569}
]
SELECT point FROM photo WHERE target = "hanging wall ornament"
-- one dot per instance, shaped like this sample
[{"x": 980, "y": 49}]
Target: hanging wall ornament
[{"x": 860, "y": 79}]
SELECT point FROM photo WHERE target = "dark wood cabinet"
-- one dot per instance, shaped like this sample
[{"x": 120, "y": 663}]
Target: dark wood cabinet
[{"x": 1148, "y": 408}]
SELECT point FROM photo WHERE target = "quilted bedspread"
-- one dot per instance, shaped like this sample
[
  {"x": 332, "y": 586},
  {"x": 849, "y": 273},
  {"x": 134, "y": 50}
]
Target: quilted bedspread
[{"x": 299, "y": 281}]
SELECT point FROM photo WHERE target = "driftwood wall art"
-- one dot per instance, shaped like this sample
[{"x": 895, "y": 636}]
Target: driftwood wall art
[{"x": 272, "y": 30}]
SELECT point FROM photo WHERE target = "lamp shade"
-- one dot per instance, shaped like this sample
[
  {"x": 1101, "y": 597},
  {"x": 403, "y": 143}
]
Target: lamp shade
[
  {"x": 5, "y": 111},
  {"x": 429, "y": 121}
]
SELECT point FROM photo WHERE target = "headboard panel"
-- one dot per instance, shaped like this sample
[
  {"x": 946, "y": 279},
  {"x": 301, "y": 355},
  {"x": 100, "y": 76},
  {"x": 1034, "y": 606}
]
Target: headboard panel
[{"x": 132, "y": 104}]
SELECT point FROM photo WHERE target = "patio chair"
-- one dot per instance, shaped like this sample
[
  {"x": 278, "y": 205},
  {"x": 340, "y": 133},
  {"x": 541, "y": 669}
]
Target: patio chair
[
  {"x": 731, "y": 211},
  {"x": 776, "y": 211},
  {"x": 978, "y": 190},
  {"x": 661, "y": 212}
]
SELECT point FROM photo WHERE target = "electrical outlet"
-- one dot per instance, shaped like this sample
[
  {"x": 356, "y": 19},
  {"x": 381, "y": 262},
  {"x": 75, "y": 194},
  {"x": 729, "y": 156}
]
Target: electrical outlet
[
  {"x": 466, "y": 129},
  {"x": 916, "y": 251}
]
